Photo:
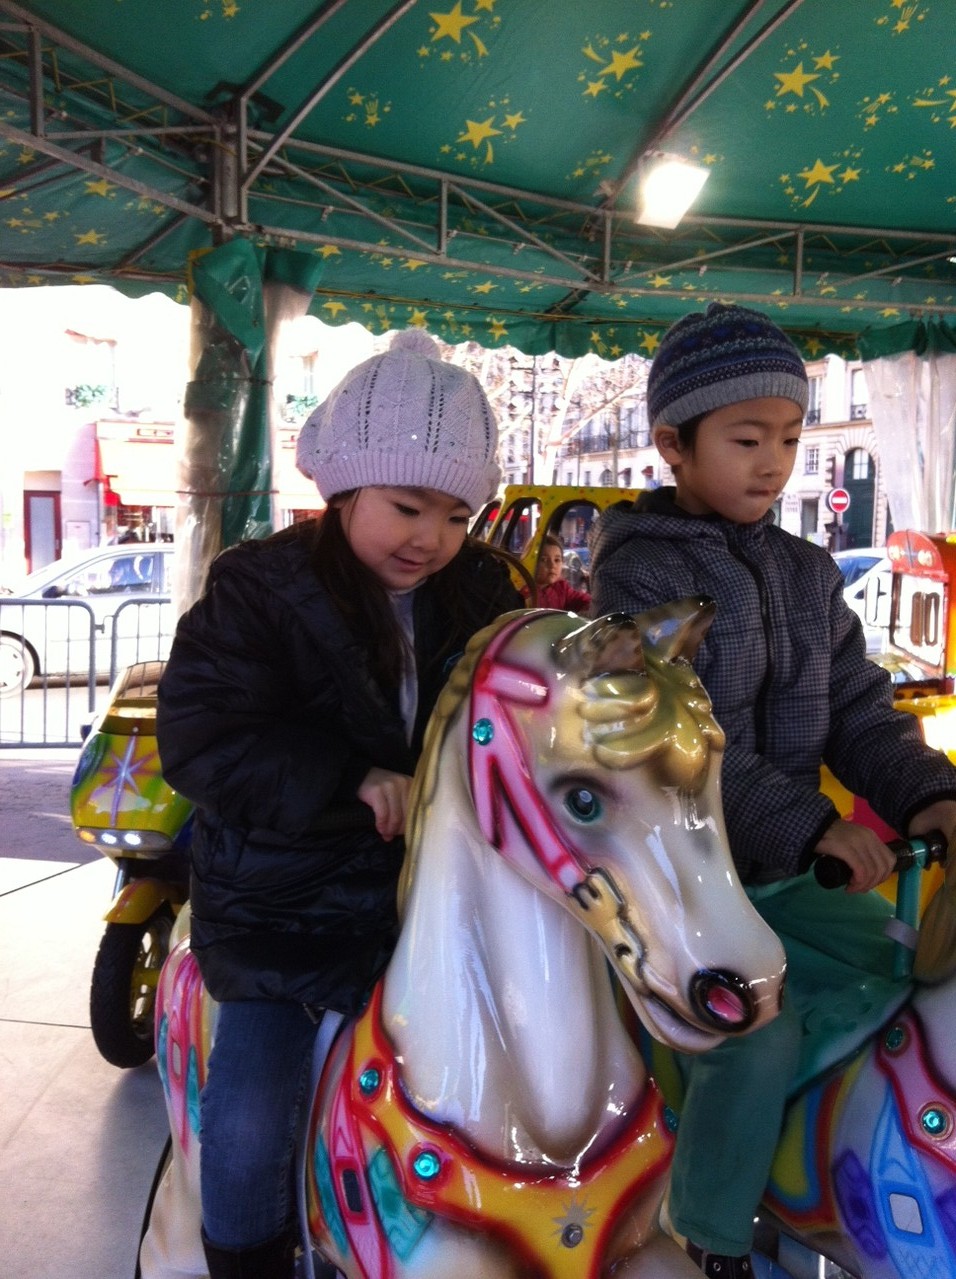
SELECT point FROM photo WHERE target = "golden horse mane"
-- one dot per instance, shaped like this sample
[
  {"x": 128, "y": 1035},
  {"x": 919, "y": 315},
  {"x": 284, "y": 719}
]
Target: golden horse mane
[{"x": 641, "y": 703}]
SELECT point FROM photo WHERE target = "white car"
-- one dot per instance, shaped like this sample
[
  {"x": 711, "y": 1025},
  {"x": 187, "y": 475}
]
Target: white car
[
  {"x": 90, "y": 615},
  {"x": 868, "y": 582}
]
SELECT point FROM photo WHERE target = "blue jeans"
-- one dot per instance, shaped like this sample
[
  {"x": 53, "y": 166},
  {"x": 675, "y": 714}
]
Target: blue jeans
[{"x": 251, "y": 1109}]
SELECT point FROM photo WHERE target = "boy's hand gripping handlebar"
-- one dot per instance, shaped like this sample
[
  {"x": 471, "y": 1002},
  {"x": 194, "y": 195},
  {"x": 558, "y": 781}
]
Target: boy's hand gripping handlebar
[{"x": 921, "y": 850}]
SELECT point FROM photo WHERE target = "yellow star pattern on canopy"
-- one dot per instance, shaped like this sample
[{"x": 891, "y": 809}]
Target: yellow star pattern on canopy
[
  {"x": 819, "y": 173},
  {"x": 450, "y": 25},
  {"x": 477, "y": 132},
  {"x": 621, "y": 63},
  {"x": 794, "y": 81},
  {"x": 485, "y": 145}
]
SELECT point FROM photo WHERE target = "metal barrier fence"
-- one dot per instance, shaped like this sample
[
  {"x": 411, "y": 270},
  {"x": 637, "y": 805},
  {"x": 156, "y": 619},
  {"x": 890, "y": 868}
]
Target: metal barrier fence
[{"x": 59, "y": 657}]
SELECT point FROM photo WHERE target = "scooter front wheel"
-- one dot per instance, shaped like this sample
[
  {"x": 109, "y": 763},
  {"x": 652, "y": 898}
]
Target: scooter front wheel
[{"x": 123, "y": 989}]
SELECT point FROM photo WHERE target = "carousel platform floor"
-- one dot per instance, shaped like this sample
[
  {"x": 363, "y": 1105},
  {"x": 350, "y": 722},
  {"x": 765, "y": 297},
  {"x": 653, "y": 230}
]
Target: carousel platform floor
[{"x": 79, "y": 1139}]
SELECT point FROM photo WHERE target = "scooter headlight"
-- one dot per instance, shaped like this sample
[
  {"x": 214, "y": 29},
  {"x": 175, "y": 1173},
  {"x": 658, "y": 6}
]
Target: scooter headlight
[{"x": 143, "y": 842}]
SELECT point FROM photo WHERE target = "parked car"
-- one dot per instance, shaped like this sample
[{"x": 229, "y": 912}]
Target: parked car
[
  {"x": 92, "y": 614},
  {"x": 868, "y": 581}
]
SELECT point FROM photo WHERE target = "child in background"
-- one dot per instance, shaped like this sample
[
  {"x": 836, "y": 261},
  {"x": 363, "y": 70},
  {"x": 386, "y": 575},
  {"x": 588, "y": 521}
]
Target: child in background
[
  {"x": 297, "y": 691},
  {"x": 785, "y": 666},
  {"x": 554, "y": 590}
]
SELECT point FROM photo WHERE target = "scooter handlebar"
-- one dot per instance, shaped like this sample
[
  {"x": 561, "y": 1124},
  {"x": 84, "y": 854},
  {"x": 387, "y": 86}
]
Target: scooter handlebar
[{"x": 923, "y": 850}]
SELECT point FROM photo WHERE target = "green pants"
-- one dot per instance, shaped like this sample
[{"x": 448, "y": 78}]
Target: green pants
[{"x": 735, "y": 1094}]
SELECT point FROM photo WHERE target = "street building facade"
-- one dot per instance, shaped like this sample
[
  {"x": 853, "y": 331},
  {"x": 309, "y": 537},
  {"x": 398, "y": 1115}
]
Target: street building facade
[{"x": 91, "y": 404}]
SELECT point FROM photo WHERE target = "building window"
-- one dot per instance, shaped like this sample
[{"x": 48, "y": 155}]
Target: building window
[
  {"x": 94, "y": 380},
  {"x": 309, "y": 362},
  {"x": 809, "y": 516},
  {"x": 860, "y": 465},
  {"x": 811, "y": 459},
  {"x": 814, "y": 401},
  {"x": 859, "y": 398}
]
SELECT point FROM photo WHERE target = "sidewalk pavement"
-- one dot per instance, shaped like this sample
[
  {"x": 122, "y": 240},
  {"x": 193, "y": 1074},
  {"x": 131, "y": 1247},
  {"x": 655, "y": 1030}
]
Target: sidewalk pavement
[
  {"x": 79, "y": 1139},
  {"x": 35, "y": 806}
]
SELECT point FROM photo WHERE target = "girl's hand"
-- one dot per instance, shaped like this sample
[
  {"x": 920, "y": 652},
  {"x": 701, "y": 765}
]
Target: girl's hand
[
  {"x": 386, "y": 794},
  {"x": 863, "y": 851}
]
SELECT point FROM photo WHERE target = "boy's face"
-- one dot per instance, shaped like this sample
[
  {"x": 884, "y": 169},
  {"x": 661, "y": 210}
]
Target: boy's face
[{"x": 741, "y": 458}]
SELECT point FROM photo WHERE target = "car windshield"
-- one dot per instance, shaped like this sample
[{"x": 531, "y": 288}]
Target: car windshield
[{"x": 854, "y": 566}]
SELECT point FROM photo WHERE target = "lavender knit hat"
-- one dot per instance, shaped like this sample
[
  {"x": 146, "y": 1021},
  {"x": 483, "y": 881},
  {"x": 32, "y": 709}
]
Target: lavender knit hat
[
  {"x": 718, "y": 357},
  {"x": 405, "y": 418}
]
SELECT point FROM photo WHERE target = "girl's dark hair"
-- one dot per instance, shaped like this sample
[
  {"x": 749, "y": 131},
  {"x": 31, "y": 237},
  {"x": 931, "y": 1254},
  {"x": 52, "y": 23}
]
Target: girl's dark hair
[{"x": 358, "y": 595}]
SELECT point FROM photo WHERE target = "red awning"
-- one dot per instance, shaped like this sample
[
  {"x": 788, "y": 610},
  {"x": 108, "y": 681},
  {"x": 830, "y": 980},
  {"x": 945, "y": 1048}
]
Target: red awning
[{"x": 141, "y": 472}]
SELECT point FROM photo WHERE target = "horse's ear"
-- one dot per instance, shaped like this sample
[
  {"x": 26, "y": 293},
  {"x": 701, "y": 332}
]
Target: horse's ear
[
  {"x": 677, "y": 629},
  {"x": 608, "y": 646}
]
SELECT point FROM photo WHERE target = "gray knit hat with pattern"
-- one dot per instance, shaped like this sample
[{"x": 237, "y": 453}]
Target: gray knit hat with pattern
[
  {"x": 721, "y": 356},
  {"x": 405, "y": 418}
]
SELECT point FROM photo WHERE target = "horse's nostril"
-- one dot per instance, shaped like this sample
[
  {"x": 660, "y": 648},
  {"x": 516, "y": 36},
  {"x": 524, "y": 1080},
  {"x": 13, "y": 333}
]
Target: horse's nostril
[
  {"x": 723, "y": 999},
  {"x": 726, "y": 1005}
]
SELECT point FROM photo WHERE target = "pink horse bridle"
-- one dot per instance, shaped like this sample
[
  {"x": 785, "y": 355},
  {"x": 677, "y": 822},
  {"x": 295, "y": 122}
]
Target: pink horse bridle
[
  {"x": 514, "y": 818},
  {"x": 503, "y": 791}
]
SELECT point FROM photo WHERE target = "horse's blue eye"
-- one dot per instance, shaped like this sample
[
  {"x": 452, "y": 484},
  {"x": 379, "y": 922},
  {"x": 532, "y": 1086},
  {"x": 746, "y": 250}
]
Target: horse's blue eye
[{"x": 583, "y": 804}]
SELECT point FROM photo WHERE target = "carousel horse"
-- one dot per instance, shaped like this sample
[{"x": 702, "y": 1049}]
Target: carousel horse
[
  {"x": 864, "y": 1177},
  {"x": 865, "y": 1170},
  {"x": 489, "y": 1114}
]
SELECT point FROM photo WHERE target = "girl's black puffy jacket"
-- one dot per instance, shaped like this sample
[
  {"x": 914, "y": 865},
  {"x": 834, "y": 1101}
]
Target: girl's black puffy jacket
[{"x": 268, "y": 720}]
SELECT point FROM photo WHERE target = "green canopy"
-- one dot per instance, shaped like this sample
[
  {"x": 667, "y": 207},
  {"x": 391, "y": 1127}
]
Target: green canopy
[{"x": 471, "y": 167}]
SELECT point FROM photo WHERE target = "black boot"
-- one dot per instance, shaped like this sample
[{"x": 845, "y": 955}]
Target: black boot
[{"x": 274, "y": 1259}]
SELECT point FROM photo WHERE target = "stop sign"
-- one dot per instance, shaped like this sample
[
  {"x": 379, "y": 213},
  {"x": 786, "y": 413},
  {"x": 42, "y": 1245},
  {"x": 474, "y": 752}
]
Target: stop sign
[{"x": 838, "y": 500}]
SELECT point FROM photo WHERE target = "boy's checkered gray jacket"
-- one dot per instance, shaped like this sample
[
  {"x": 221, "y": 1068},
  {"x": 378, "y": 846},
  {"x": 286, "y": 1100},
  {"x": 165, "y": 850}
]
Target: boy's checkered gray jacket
[{"x": 785, "y": 666}]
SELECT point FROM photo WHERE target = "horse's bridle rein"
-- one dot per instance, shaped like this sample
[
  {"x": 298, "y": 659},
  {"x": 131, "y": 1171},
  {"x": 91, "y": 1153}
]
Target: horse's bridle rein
[{"x": 504, "y": 795}]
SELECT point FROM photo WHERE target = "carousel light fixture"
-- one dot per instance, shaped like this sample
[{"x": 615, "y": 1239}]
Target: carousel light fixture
[{"x": 668, "y": 187}]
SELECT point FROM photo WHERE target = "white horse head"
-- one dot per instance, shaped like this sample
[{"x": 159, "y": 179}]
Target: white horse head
[{"x": 589, "y": 756}]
